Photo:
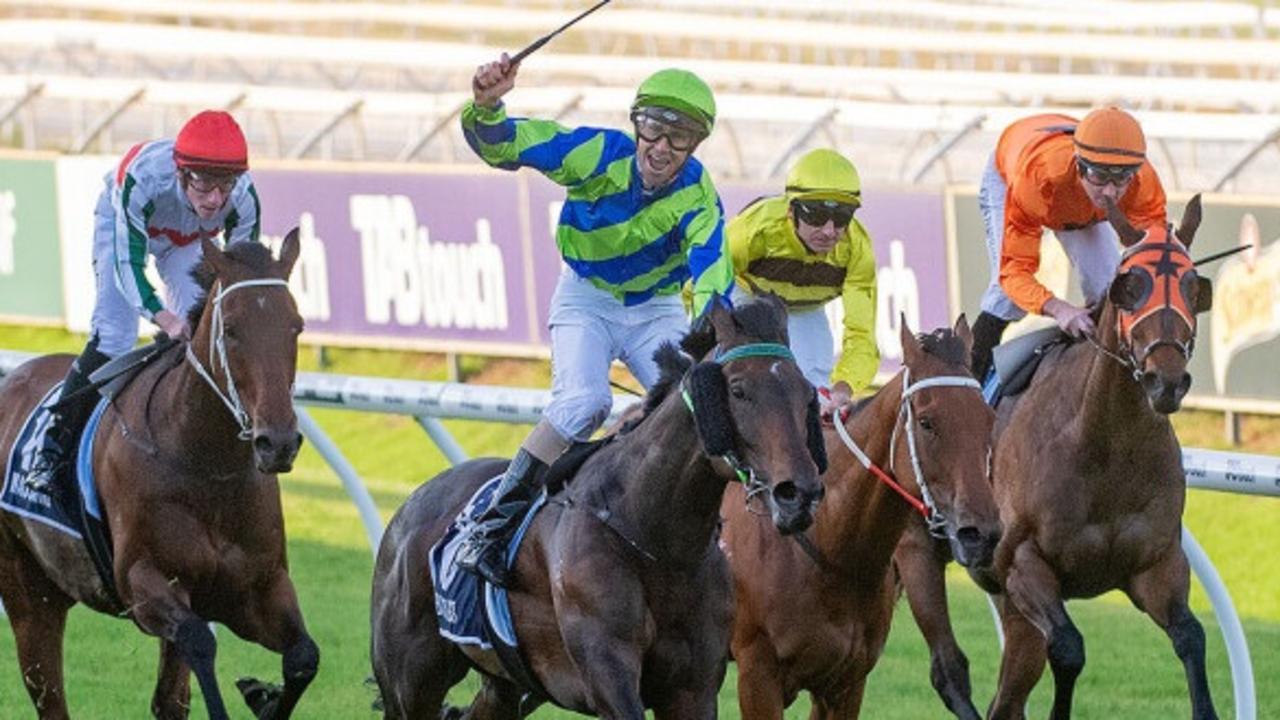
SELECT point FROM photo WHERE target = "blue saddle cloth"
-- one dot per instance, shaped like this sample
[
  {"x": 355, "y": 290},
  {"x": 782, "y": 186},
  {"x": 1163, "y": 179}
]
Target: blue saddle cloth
[
  {"x": 471, "y": 611},
  {"x": 69, "y": 503}
]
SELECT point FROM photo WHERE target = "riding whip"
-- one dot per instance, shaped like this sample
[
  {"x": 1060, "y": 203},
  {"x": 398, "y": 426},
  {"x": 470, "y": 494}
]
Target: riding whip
[
  {"x": 1219, "y": 256},
  {"x": 547, "y": 38}
]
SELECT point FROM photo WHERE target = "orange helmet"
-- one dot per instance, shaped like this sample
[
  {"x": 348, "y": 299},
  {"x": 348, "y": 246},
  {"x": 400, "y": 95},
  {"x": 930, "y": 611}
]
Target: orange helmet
[
  {"x": 1110, "y": 136},
  {"x": 213, "y": 142}
]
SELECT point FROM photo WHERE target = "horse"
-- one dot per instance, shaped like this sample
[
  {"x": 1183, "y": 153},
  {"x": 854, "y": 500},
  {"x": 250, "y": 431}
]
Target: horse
[
  {"x": 622, "y": 601},
  {"x": 1089, "y": 480},
  {"x": 931, "y": 426},
  {"x": 185, "y": 459}
]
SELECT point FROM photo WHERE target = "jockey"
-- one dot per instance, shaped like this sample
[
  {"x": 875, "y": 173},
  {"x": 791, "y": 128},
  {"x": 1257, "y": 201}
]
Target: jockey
[
  {"x": 806, "y": 247},
  {"x": 641, "y": 217},
  {"x": 161, "y": 199},
  {"x": 1048, "y": 171}
]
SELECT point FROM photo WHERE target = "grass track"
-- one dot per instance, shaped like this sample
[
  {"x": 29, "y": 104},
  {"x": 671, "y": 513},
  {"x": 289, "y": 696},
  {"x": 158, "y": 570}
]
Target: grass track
[{"x": 1131, "y": 669}]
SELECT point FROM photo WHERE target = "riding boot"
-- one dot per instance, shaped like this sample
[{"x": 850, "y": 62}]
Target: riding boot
[
  {"x": 484, "y": 550},
  {"x": 70, "y": 414},
  {"x": 987, "y": 330}
]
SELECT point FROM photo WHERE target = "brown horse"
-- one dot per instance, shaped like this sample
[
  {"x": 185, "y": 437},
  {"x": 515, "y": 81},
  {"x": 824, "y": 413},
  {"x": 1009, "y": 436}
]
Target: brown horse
[
  {"x": 185, "y": 460},
  {"x": 929, "y": 424},
  {"x": 623, "y": 602},
  {"x": 1089, "y": 480}
]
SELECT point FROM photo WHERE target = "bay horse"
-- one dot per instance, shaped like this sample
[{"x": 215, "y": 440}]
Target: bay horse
[
  {"x": 815, "y": 616},
  {"x": 622, "y": 601},
  {"x": 185, "y": 460},
  {"x": 1088, "y": 476}
]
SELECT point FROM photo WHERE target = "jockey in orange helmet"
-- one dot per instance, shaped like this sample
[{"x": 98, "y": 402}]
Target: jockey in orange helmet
[
  {"x": 1048, "y": 171},
  {"x": 160, "y": 200}
]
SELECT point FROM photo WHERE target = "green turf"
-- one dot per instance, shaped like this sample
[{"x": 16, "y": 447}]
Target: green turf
[{"x": 1131, "y": 670}]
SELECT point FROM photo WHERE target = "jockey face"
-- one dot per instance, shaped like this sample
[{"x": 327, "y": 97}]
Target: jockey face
[
  {"x": 664, "y": 141},
  {"x": 1103, "y": 182},
  {"x": 207, "y": 192}
]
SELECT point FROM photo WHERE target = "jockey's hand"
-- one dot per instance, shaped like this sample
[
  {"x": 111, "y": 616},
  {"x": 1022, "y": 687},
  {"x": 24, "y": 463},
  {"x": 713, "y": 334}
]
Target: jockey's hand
[
  {"x": 837, "y": 399},
  {"x": 172, "y": 325},
  {"x": 493, "y": 80},
  {"x": 1074, "y": 321}
]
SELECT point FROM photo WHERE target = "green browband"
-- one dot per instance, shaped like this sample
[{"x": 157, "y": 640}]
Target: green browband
[{"x": 755, "y": 350}]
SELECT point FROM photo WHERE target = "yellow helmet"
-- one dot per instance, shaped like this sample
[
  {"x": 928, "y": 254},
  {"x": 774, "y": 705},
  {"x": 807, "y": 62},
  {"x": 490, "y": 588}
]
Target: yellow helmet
[{"x": 824, "y": 174}]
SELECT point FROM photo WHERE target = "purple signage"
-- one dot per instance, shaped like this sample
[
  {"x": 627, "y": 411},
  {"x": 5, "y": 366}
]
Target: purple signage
[{"x": 467, "y": 260}]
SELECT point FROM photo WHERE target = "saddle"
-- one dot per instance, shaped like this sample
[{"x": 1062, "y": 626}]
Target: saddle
[
  {"x": 1015, "y": 362},
  {"x": 115, "y": 375}
]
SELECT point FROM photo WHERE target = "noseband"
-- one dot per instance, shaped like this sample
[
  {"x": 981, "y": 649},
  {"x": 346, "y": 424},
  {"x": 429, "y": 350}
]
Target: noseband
[
  {"x": 218, "y": 351},
  {"x": 742, "y": 471},
  {"x": 925, "y": 505}
]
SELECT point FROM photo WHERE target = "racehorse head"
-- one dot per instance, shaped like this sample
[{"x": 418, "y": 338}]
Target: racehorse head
[
  {"x": 245, "y": 343},
  {"x": 755, "y": 410},
  {"x": 1157, "y": 295},
  {"x": 948, "y": 430}
]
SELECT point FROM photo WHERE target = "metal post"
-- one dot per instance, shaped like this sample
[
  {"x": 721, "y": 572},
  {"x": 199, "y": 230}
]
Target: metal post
[
  {"x": 943, "y": 146},
  {"x": 83, "y": 144},
  {"x": 33, "y": 90},
  {"x": 1229, "y": 623},
  {"x": 818, "y": 123},
  {"x": 305, "y": 145},
  {"x": 443, "y": 440},
  {"x": 1245, "y": 159},
  {"x": 413, "y": 148},
  {"x": 351, "y": 481}
]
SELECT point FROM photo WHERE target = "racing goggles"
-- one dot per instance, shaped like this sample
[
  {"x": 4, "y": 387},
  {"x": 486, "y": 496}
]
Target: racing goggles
[
  {"x": 208, "y": 182},
  {"x": 819, "y": 212},
  {"x": 1101, "y": 175},
  {"x": 653, "y": 124}
]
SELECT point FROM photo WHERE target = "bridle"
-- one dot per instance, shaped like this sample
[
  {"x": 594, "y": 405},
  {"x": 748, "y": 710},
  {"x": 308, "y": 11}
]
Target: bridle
[
  {"x": 742, "y": 471},
  {"x": 218, "y": 352},
  {"x": 925, "y": 504}
]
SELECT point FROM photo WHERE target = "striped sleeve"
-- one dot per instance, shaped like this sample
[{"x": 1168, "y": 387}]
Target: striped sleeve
[
  {"x": 859, "y": 356},
  {"x": 132, "y": 210},
  {"x": 567, "y": 157},
  {"x": 244, "y": 222},
  {"x": 710, "y": 264}
]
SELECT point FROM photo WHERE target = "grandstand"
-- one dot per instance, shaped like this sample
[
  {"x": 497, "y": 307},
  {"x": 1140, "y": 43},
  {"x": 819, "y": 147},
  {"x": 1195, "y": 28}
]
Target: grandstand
[{"x": 913, "y": 90}]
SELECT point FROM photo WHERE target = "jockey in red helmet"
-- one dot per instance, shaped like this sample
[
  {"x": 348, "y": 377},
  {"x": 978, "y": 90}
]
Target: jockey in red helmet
[{"x": 162, "y": 198}]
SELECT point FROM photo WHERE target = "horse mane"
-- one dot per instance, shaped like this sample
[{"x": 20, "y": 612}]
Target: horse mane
[
  {"x": 253, "y": 255},
  {"x": 945, "y": 345},
  {"x": 760, "y": 320}
]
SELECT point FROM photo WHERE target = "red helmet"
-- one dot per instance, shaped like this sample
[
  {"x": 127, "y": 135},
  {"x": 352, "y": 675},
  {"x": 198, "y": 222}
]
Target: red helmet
[{"x": 211, "y": 141}]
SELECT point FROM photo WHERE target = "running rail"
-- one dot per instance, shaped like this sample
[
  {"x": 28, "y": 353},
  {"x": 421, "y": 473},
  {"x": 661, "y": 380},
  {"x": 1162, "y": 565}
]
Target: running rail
[{"x": 428, "y": 402}]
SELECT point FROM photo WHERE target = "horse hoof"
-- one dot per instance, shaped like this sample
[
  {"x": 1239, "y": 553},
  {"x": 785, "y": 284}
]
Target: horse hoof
[{"x": 261, "y": 697}]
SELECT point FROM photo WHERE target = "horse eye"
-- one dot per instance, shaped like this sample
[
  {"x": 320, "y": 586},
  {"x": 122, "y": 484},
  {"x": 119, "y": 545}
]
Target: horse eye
[
  {"x": 926, "y": 423},
  {"x": 737, "y": 392}
]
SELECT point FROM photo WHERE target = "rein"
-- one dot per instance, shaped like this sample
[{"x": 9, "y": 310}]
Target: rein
[
  {"x": 927, "y": 508},
  {"x": 218, "y": 351}
]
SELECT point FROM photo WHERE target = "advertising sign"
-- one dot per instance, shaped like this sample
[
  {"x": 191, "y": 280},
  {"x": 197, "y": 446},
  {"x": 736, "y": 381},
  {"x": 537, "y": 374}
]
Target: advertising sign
[{"x": 30, "y": 287}]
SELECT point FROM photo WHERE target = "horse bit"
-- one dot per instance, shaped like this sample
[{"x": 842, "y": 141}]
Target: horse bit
[
  {"x": 218, "y": 350},
  {"x": 928, "y": 508}
]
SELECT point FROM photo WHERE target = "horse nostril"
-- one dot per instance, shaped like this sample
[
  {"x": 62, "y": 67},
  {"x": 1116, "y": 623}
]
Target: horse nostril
[
  {"x": 299, "y": 440},
  {"x": 261, "y": 443},
  {"x": 785, "y": 492},
  {"x": 969, "y": 536},
  {"x": 1184, "y": 384}
]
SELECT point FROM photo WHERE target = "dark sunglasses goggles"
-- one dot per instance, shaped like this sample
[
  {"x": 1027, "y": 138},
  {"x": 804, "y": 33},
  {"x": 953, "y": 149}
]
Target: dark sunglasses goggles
[
  {"x": 208, "y": 182},
  {"x": 819, "y": 212},
  {"x": 653, "y": 124},
  {"x": 1101, "y": 175}
]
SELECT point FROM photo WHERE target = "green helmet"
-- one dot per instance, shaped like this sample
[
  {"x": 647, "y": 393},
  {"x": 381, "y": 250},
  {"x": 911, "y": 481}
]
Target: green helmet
[
  {"x": 678, "y": 90},
  {"x": 824, "y": 174}
]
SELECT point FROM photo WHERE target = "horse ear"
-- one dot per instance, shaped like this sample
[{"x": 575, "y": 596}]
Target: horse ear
[
  {"x": 1190, "y": 221},
  {"x": 1204, "y": 295},
  {"x": 289, "y": 250},
  {"x": 965, "y": 334},
  {"x": 1127, "y": 233},
  {"x": 710, "y": 394},
  {"x": 209, "y": 251},
  {"x": 813, "y": 427},
  {"x": 721, "y": 319},
  {"x": 910, "y": 345}
]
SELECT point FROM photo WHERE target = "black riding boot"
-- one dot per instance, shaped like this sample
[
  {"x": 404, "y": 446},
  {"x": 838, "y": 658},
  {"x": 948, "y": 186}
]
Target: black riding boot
[
  {"x": 484, "y": 551},
  {"x": 987, "y": 330},
  {"x": 70, "y": 414}
]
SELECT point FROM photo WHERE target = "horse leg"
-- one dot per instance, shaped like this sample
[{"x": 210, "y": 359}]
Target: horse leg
[
  {"x": 923, "y": 574},
  {"x": 163, "y": 609},
  {"x": 606, "y": 655},
  {"x": 172, "y": 697},
  {"x": 759, "y": 683},
  {"x": 1033, "y": 588},
  {"x": 1020, "y": 666},
  {"x": 413, "y": 665},
  {"x": 37, "y": 611},
  {"x": 1161, "y": 592},
  {"x": 274, "y": 621},
  {"x": 845, "y": 702},
  {"x": 497, "y": 700}
]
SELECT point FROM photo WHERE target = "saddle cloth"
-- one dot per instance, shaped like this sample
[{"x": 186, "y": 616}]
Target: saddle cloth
[{"x": 69, "y": 503}]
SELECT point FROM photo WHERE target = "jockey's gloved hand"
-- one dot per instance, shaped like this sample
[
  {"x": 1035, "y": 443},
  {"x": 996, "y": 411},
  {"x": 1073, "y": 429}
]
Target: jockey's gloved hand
[
  {"x": 1074, "y": 321},
  {"x": 832, "y": 401},
  {"x": 172, "y": 325}
]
